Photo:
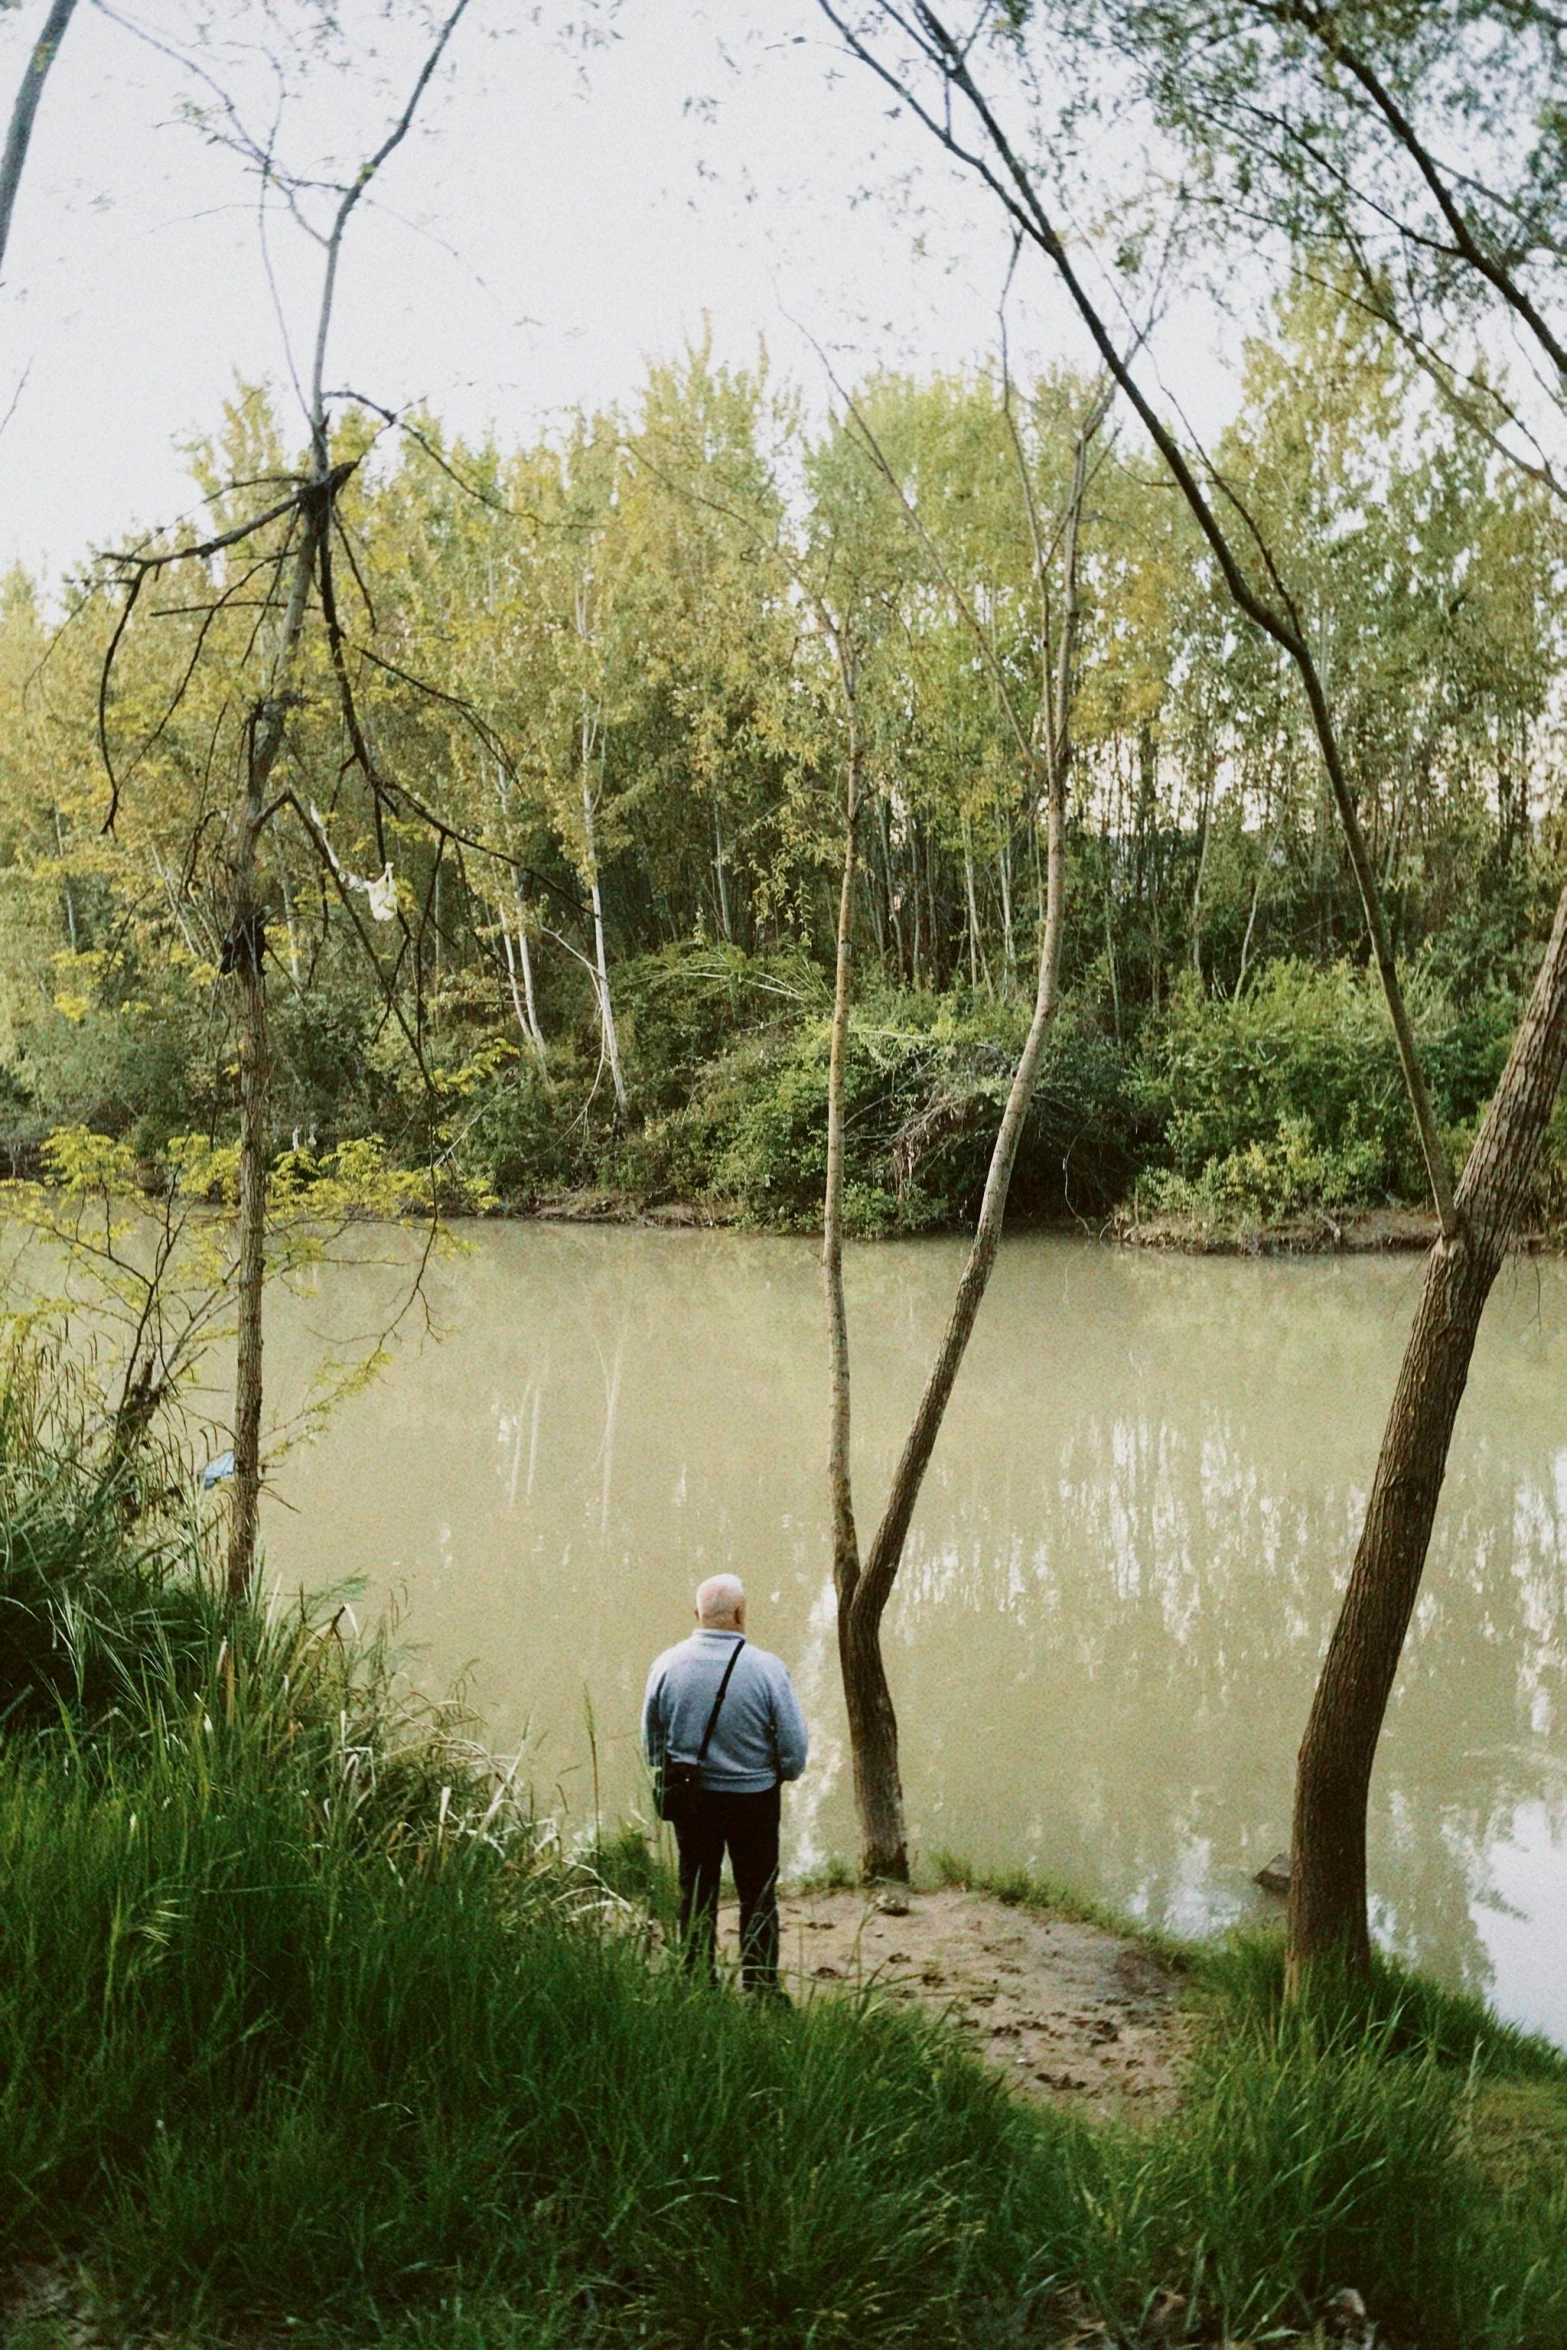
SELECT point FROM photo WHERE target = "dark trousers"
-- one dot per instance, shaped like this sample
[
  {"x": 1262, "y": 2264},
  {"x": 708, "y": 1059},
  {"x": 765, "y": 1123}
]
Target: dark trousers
[{"x": 748, "y": 1826}]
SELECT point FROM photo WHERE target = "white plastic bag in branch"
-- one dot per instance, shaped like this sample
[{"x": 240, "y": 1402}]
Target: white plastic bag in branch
[{"x": 380, "y": 893}]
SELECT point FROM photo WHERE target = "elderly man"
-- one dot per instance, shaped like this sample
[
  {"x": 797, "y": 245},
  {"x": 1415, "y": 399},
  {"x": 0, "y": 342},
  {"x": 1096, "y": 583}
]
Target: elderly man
[{"x": 755, "y": 1740}]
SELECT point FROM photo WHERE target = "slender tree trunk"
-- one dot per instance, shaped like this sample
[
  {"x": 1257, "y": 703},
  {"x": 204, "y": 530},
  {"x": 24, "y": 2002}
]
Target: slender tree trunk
[
  {"x": 530, "y": 998},
  {"x": 519, "y": 980},
  {"x": 20, "y": 133},
  {"x": 718, "y": 873},
  {"x": 1115, "y": 983},
  {"x": 914, "y": 893},
  {"x": 873, "y": 1724},
  {"x": 863, "y": 1591},
  {"x": 435, "y": 910},
  {"x": 519, "y": 956},
  {"x": 976, "y": 952},
  {"x": 65, "y": 886},
  {"x": 1204, "y": 825},
  {"x": 878, "y": 896},
  {"x": 606, "y": 1008},
  {"x": 246, "y": 954},
  {"x": 244, "y": 957},
  {"x": 606, "y": 1004},
  {"x": 288, "y": 918},
  {"x": 873, "y": 1727},
  {"x": 894, "y": 894},
  {"x": 1008, "y": 943},
  {"x": 172, "y": 897},
  {"x": 303, "y": 559},
  {"x": 1251, "y": 923},
  {"x": 1327, "y": 1899}
]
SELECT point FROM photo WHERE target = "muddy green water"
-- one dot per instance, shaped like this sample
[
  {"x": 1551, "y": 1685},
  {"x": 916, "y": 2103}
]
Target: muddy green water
[{"x": 1117, "y": 1586}]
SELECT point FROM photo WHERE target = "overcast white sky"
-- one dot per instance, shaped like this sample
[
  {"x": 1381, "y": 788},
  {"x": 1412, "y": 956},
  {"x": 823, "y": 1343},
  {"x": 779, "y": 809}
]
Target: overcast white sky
[{"x": 561, "y": 216}]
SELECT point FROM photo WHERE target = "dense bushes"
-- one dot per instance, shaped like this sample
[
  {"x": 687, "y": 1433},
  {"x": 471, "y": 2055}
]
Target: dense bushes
[
  {"x": 927, "y": 1078},
  {"x": 1237, "y": 1110},
  {"x": 727, "y": 1064},
  {"x": 1290, "y": 1095},
  {"x": 96, "y": 1593}
]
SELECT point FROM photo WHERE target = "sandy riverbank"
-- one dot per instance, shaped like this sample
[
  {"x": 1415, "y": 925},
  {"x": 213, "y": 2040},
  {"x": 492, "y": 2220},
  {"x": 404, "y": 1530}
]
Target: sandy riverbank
[{"x": 1067, "y": 2011}]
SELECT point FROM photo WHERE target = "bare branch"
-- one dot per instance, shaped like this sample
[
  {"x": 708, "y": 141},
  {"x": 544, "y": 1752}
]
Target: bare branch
[
  {"x": 351, "y": 195},
  {"x": 1002, "y": 170}
]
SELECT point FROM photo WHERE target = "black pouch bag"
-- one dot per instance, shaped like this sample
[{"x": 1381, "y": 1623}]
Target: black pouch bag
[{"x": 677, "y": 1786}]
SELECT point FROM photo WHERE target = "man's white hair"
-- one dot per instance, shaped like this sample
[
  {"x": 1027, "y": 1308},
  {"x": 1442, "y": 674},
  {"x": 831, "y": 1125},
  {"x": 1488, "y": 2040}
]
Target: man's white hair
[{"x": 719, "y": 1600}]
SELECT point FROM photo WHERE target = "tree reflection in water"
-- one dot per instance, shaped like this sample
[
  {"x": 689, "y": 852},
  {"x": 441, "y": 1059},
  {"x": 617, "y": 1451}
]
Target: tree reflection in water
[{"x": 1118, "y": 1584}]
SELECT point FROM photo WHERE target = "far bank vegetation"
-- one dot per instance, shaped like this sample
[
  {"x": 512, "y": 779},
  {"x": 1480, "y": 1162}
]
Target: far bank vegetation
[{"x": 625, "y": 1004}]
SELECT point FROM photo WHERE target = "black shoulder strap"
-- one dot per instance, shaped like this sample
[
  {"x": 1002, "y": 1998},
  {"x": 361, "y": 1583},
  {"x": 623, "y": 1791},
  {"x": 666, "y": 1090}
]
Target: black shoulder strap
[{"x": 723, "y": 1691}]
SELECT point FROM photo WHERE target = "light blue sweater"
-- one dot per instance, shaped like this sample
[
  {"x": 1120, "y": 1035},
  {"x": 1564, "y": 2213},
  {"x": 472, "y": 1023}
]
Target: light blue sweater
[{"x": 761, "y": 1735}]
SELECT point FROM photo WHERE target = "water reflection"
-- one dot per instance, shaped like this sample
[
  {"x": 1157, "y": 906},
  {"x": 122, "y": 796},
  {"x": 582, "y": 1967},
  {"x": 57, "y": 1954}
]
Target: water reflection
[{"x": 1117, "y": 1586}]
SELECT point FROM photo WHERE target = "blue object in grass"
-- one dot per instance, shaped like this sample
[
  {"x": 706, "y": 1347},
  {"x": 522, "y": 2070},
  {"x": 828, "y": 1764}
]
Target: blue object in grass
[{"x": 215, "y": 1471}]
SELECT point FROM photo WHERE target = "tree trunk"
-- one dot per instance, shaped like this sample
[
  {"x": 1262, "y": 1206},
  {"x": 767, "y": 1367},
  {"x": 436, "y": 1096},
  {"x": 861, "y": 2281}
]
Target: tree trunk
[
  {"x": 1204, "y": 826},
  {"x": 863, "y": 1592},
  {"x": 977, "y": 958},
  {"x": 519, "y": 969},
  {"x": 288, "y": 918},
  {"x": 246, "y": 955},
  {"x": 873, "y": 1729},
  {"x": 1008, "y": 945},
  {"x": 606, "y": 1009},
  {"x": 65, "y": 885},
  {"x": 21, "y": 130},
  {"x": 1327, "y": 1899},
  {"x": 244, "y": 952},
  {"x": 873, "y": 1725},
  {"x": 873, "y": 1747},
  {"x": 894, "y": 894},
  {"x": 718, "y": 874}
]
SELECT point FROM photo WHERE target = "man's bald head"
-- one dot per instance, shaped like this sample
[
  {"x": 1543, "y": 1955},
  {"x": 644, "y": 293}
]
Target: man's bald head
[{"x": 720, "y": 1604}]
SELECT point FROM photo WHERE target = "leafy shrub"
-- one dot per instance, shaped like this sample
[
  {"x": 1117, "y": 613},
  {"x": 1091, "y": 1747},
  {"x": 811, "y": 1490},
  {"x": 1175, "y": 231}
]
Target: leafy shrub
[
  {"x": 926, "y": 1079},
  {"x": 684, "y": 1008},
  {"x": 1291, "y": 1095},
  {"x": 517, "y": 1135}
]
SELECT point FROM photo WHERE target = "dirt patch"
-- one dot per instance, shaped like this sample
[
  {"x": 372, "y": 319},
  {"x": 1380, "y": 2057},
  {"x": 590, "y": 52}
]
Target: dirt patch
[
  {"x": 43, "y": 2304},
  {"x": 1069, "y": 2013}
]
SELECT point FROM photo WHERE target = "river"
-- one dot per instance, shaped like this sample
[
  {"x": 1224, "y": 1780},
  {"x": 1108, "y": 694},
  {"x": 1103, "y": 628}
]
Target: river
[{"x": 1117, "y": 1585}]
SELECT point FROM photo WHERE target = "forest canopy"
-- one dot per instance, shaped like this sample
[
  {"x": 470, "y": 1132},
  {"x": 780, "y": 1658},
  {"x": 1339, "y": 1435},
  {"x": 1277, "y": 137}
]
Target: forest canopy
[{"x": 578, "y": 942}]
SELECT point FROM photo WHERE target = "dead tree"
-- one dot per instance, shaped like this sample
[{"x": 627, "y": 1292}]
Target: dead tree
[{"x": 301, "y": 577}]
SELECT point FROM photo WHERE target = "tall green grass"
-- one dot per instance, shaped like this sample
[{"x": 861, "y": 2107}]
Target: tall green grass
[
  {"x": 98, "y": 1551},
  {"x": 254, "y": 2058},
  {"x": 269, "y": 2048},
  {"x": 1322, "y": 2149},
  {"x": 305, "y": 2024}
]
